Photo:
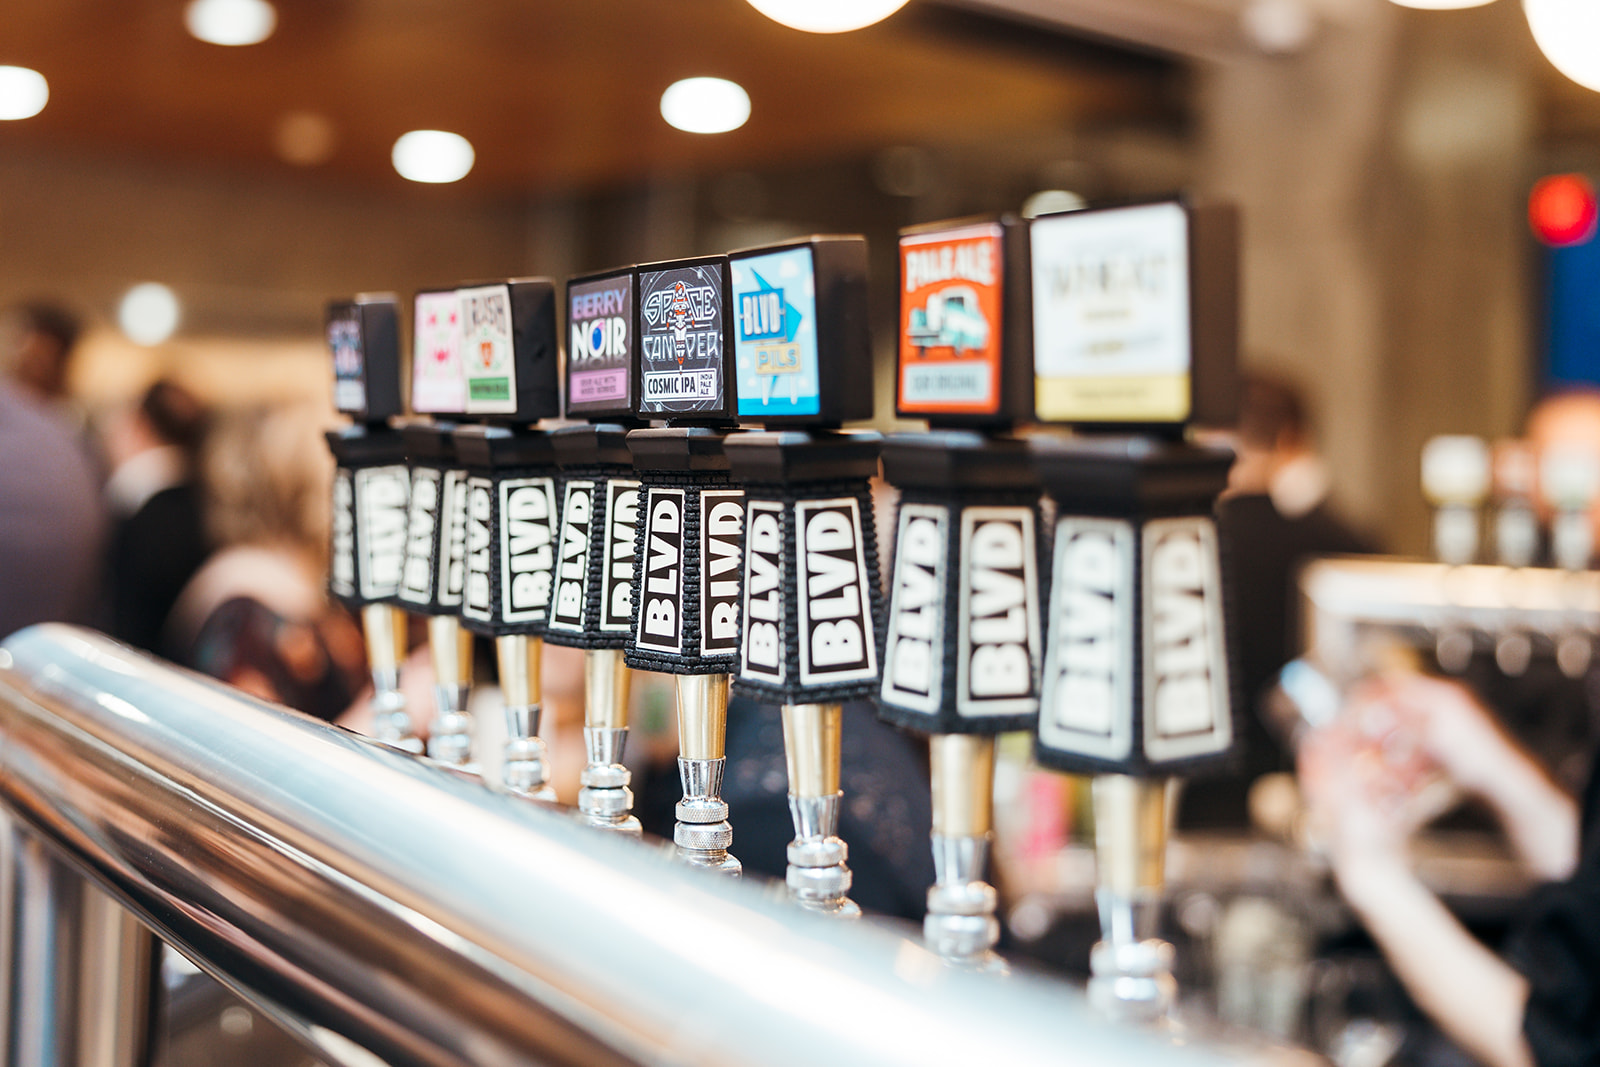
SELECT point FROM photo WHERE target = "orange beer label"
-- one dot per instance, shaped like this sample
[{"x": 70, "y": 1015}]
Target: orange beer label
[{"x": 950, "y": 285}]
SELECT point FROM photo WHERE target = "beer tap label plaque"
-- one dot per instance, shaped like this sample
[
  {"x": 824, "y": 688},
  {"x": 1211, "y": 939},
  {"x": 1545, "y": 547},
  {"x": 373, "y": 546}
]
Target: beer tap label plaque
[
  {"x": 683, "y": 340},
  {"x": 775, "y": 333},
  {"x": 487, "y": 350},
  {"x": 600, "y": 346},
  {"x": 572, "y": 564},
  {"x": 661, "y": 609},
  {"x": 837, "y": 643},
  {"x": 997, "y": 625},
  {"x": 381, "y": 498},
  {"x": 616, "y": 569},
  {"x": 721, "y": 525},
  {"x": 438, "y": 382},
  {"x": 914, "y": 652},
  {"x": 1086, "y": 702},
  {"x": 422, "y": 538},
  {"x": 764, "y": 612},
  {"x": 950, "y": 323},
  {"x": 453, "y": 544},
  {"x": 349, "y": 361},
  {"x": 1187, "y": 711}
]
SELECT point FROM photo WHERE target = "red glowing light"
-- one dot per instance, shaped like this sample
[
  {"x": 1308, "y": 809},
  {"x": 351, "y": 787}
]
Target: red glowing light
[{"x": 1562, "y": 210}]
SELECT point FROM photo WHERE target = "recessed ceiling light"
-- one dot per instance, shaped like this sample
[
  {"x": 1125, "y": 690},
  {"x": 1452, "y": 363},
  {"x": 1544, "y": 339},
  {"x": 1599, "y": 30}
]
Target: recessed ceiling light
[
  {"x": 231, "y": 22},
  {"x": 148, "y": 313},
  {"x": 1442, "y": 5},
  {"x": 432, "y": 156},
  {"x": 1568, "y": 33},
  {"x": 827, "y": 16},
  {"x": 23, "y": 93},
  {"x": 705, "y": 105}
]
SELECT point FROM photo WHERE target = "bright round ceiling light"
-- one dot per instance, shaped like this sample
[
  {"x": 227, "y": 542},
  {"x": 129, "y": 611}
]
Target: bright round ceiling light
[
  {"x": 705, "y": 105},
  {"x": 433, "y": 156},
  {"x": 23, "y": 93},
  {"x": 148, "y": 313},
  {"x": 827, "y": 16},
  {"x": 1442, "y": 5},
  {"x": 1568, "y": 33},
  {"x": 231, "y": 22}
]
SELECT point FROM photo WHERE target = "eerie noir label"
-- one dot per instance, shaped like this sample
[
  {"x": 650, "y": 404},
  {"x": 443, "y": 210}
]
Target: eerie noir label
[
  {"x": 600, "y": 314},
  {"x": 616, "y": 570},
  {"x": 438, "y": 383},
  {"x": 950, "y": 286},
  {"x": 478, "y": 594},
  {"x": 775, "y": 334},
  {"x": 453, "y": 546},
  {"x": 762, "y": 657},
  {"x": 837, "y": 643},
  {"x": 1186, "y": 705},
  {"x": 487, "y": 352},
  {"x": 997, "y": 628},
  {"x": 721, "y": 522},
  {"x": 527, "y": 548},
  {"x": 572, "y": 556},
  {"x": 422, "y": 531},
  {"x": 661, "y": 596},
  {"x": 349, "y": 362},
  {"x": 342, "y": 567},
  {"x": 1086, "y": 702},
  {"x": 914, "y": 652},
  {"x": 681, "y": 343},
  {"x": 382, "y": 495}
]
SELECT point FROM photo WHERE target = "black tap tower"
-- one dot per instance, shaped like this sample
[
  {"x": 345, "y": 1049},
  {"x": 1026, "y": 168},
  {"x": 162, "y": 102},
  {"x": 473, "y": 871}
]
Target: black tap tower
[
  {"x": 963, "y": 641},
  {"x": 803, "y": 360},
  {"x": 686, "y": 578},
  {"x": 436, "y": 530},
  {"x": 510, "y": 356},
  {"x": 1135, "y": 332},
  {"x": 593, "y": 603},
  {"x": 371, "y": 489}
]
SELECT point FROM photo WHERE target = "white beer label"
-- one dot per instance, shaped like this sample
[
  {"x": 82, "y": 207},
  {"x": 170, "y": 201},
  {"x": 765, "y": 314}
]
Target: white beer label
[
  {"x": 572, "y": 565},
  {"x": 616, "y": 570},
  {"x": 453, "y": 549},
  {"x": 721, "y": 522},
  {"x": 837, "y": 643},
  {"x": 381, "y": 497},
  {"x": 762, "y": 658},
  {"x": 1186, "y": 704},
  {"x": 527, "y": 548},
  {"x": 342, "y": 568},
  {"x": 913, "y": 665},
  {"x": 488, "y": 353},
  {"x": 1086, "y": 703},
  {"x": 661, "y": 607},
  {"x": 478, "y": 595},
  {"x": 422, "y": 529},
  {"x": 997, "y": 628}
]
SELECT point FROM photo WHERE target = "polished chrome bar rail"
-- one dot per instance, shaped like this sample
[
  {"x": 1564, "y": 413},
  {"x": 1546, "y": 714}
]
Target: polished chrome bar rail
[{"x": 384, "y": 909}]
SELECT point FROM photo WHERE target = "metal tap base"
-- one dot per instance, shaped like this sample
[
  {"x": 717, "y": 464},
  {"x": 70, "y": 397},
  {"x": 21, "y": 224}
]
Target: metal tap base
[
  {"x": 703, "y": 833},
  {"x": 605, "y": 801},
  {"x": 960, "y": 925},
  {"x": 1131, "y": 982},
  {"x": 391, "y": 723},
  {"x": 525, "y": 766},
  {"x": 450, "y": 735},
  {"x": 818, "y": 877}
]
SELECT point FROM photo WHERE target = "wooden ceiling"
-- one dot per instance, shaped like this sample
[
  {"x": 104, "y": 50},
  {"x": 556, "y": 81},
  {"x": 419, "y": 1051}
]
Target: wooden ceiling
[{"x": 553, "y": 95}]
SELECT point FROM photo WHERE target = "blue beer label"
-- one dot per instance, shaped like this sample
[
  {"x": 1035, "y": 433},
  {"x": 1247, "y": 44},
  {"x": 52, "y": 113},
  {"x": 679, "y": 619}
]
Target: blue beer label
[
  {"x": 683, "y": 363},
  {"x": 775, "y": 334}
]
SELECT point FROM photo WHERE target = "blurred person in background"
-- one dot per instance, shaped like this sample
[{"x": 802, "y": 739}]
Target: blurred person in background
[
  {"x": 52, "y": 522},
  {"x": 158, "y": 539}
]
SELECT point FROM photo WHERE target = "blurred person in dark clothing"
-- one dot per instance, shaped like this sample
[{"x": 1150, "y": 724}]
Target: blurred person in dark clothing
[
  {"x": 1274, "y": 516},
  {"x": 158, "y": 540},
  {"x": 52, "y": 523}
]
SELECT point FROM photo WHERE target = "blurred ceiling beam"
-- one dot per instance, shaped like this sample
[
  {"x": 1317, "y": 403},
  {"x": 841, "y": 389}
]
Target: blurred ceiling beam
[{"x": 1195, "y": 28}]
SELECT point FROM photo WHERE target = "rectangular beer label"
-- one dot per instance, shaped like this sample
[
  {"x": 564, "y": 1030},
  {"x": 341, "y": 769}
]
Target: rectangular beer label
[
  {"x": 775, "y": 333},
  {"x": 527, "y": 548},
  {"x": 721, "y": 523},
  {"x": 661, "y": 609},
  {"x": 913, "y": 665},
  {"x": 616, "y": 570},
  {"x": 382, "y": 495},
  {"x": 1187, "y": 710},
  {"x": 422, "y": 531},
  {"x": 438, "y": 382},
  {"x": 1111, "y": 315},
  {"x": 600, "y": 345},
  {"x": 342, "y": 565},
  {"x": 349, "y": 359},
  {"x": 487, "y": 352},
  {"x": 478, "y": 594},
  {"x": 950, "y": 288},
  {"x": 997, "y": 628},
  {"x": 572, "y": 557},
  {"x": 1086, "y": 700},
  {"x": 682, "y": 360},
  {"x": 763, "y": 654},
  {"x": 837, "y": 642},
  {"x": 453, "y": 545}
]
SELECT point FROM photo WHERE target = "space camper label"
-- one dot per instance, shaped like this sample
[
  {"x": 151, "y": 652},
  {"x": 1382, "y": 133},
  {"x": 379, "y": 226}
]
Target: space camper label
[
  {"x": 422, "y": 532},
  {"x": 453, "y": 546},
  {"x": 527, "y": 548},
  {"x": 381, "y": 498},
  {"x": 1186, "y": 696},
  {"x": 997, "y": 628},
  {"x": 721, "y": 523},
  {"x": 661, "y": 599},
  {"x": 600, "y": 314},
  {"x": 1086, "y": 701},
  {"x": 342, "y": 568},
  {"x": 682, "y": 343},
  {"x": 914, "y": 652},
  {"x": 762, "y": 658},
  {"x": 616, "y": 570},
  {"x": 572, "y": 552},
  {"x": 837, "y": 642}
]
